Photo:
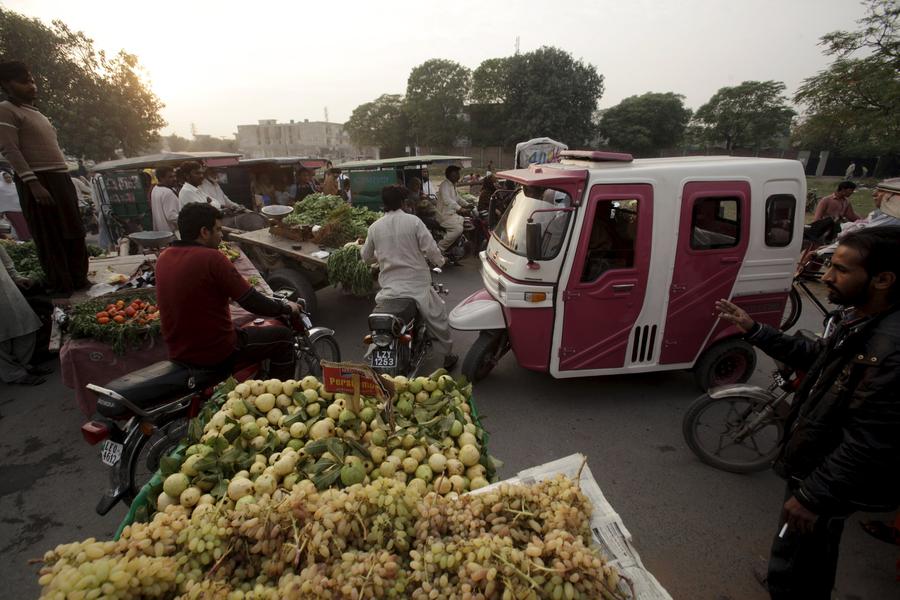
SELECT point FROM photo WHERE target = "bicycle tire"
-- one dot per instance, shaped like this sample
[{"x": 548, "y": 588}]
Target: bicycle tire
[
  {"x": 689, "y": 429},
  {"x": 794, "y": 308}
]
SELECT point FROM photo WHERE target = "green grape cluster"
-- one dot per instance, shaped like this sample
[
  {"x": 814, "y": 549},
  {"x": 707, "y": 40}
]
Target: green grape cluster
[{"x": 383, "y": 540}]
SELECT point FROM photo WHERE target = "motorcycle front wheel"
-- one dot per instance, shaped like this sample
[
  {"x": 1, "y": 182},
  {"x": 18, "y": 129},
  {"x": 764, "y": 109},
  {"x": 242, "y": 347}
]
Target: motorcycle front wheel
[
  {"x": 307, "y": 363},
  {"x": 712, "y": 429}
]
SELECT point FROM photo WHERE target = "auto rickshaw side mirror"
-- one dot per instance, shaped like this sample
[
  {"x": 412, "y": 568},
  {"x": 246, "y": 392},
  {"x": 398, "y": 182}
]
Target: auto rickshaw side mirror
[{"x": 533, "y": 241}]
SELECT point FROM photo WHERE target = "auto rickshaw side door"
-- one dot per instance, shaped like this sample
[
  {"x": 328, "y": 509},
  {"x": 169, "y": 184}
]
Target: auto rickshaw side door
[
  {"x": 605, "y": 290},
  {"x": 713, "y": 235}
]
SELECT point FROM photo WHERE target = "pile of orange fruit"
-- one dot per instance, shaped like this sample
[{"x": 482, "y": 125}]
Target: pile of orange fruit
[{"x": 137, "y": 312}]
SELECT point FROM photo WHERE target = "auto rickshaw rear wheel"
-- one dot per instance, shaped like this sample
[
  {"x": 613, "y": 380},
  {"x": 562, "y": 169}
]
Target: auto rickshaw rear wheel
[
  {"x": 727, "y": 362},
  {"x": 482, "y": 357}
]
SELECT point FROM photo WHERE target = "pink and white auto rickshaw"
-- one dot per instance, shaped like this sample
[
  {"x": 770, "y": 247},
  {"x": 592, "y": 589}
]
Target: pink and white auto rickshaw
[{"x": 605, "y": 265}]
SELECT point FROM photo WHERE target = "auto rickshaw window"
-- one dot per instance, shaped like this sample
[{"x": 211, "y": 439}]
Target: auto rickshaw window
[
  {"x": 780, "y": 211},
  {"x": 715, "y": 223},
  {"x": 554, "y": 223},
  {"x": 612, "y": 238}
]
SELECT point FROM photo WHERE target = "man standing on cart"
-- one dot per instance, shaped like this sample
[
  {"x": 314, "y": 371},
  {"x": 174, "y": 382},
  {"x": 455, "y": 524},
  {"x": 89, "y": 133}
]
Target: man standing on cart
[
  {"x": 400, "y": 243},
  {"x": 841, "y": 448}
]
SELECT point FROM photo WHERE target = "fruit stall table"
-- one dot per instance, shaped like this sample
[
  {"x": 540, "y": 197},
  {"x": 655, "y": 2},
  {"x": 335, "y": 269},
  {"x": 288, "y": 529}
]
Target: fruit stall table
[{"x": 86, "y": 360}]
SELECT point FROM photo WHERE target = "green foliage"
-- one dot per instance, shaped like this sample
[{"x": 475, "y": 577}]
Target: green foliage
[
  {"x": 347, "y": 269},
  {"x": 541, "y": 93},
  {"x": 853, "y": 106},
  {"x": 753, "y": 114},
  {"x": 436, "y": 92},
  {"x": 25, "y": 259},
  {"x": 98, "y": 104},
  {"x": 383, "y": 123},
  {"x": 646, "y": 124},
  {"x": 341, "y": 222}
]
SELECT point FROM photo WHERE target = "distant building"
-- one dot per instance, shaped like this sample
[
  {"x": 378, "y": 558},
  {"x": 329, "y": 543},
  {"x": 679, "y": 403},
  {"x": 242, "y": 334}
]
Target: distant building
[{"x": 269, "y": 138}]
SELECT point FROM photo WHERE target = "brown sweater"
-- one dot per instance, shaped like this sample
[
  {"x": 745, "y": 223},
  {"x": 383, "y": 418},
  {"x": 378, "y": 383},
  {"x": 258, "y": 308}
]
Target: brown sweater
[{"x": 28, "y": 141}]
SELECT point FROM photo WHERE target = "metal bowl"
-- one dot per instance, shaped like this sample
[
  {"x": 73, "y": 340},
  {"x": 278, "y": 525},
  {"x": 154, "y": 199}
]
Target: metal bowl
[
  {"x": 151, "y": 239},
  {"x": 276, "y": 211}
]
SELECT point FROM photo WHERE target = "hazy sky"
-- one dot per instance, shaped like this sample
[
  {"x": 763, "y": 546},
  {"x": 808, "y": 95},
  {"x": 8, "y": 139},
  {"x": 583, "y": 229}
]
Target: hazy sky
[{"x": 224, "y": 63}]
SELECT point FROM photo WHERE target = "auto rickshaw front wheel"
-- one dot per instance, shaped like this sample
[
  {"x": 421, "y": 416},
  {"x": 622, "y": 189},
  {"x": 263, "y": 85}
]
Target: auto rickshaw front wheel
[
  {"x": 727, "y": 362},
  {"x": 484, "y": 354}
]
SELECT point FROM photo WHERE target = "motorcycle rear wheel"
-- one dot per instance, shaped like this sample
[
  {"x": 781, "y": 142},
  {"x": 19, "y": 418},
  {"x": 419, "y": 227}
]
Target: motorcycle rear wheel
[
  {"x": 145, "y": 460},
  {"x": 709, "y": 426}
]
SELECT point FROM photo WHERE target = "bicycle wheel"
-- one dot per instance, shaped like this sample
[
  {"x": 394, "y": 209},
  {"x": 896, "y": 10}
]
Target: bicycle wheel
[
  {"x": 307, "y": 363},
  {"x": 711, "y": 427},
  {"x": 792, "y": 310}
]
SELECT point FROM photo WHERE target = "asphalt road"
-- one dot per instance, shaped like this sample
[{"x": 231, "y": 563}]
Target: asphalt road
[{"x": 699, "y": 530}]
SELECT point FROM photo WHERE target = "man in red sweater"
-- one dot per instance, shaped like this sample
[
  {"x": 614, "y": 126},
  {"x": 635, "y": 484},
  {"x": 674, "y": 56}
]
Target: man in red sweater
[{"x": 195, "y": 283}]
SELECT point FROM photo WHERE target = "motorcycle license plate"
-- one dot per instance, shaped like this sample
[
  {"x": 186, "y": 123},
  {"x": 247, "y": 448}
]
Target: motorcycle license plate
[
  {"x": 110, "y": 453},
  {"x": 384, "y": 359}
]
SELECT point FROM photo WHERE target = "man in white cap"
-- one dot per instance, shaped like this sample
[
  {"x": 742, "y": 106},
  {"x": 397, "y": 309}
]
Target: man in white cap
[{"x": 887, "y": 208}]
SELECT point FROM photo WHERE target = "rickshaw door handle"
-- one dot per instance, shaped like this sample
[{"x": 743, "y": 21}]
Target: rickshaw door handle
[
  {"x": 622, "y": 287},
  {"x": 730, "y": 259}
]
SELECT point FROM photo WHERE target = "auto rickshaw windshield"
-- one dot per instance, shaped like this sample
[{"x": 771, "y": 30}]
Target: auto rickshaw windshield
[{"x": 554, "y": 223}]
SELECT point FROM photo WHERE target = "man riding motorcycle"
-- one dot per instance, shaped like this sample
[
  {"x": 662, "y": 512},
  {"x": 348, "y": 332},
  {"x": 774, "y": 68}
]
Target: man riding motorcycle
[
  {"x": 400, "y": 243},
  {"x": 449, "y": 208},
  {"x": 195, "y": 284}
]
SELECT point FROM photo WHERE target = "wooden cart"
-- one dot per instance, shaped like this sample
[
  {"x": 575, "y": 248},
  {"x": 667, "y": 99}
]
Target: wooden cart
[{"x": 285, "y": 263}]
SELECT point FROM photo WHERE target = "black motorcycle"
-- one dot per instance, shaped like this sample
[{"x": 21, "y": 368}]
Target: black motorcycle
[
  {"x": 144, "y": 415},
  {"x": 398, "y": 339}
]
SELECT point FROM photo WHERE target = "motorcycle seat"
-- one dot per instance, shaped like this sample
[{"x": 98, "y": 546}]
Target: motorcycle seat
[
  {"x": 404, "y": 309},
  {"x": 151, "y": 385}
]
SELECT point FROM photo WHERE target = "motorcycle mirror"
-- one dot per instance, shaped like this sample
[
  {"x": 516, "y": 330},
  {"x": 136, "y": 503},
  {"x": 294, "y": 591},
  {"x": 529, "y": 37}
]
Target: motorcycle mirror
[{"x": 533, "y": 241}]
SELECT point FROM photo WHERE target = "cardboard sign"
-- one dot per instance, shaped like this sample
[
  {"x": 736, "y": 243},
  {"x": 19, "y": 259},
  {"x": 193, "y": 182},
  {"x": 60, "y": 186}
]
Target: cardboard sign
[{"x": 350, "y": 378}]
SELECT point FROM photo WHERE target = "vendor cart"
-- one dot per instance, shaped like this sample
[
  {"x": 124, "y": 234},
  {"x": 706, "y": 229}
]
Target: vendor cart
[{"x": 286, "y": 263}]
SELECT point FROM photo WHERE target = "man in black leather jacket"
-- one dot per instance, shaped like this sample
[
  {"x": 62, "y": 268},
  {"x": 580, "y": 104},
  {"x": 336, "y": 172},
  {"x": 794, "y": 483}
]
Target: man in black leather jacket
[{"x": 841, "y": 447}]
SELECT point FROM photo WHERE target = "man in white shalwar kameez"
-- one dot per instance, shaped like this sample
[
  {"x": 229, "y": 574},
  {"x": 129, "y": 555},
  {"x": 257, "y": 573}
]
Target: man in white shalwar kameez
[
  {"x": 448, "y": 207},
  {"x": 400, "y": 243}
]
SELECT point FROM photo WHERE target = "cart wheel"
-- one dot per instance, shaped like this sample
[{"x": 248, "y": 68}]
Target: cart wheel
[
  {"x": 729, "y": 361},
  {"x": 291, "y": 279},
  {"x": 482, "y": 357}
]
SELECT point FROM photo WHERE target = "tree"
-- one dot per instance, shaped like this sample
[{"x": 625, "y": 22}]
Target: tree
[
  {"x": 646, "y": 124},
  {"x": 382, "y": 123},
  {"x": 541, "y": 93},
  {"x": 436, "y": 93},
  {"x": 853, "y": 106},
  {"x": 98, "y": 105},
  {"x": 754, "y": 114}
]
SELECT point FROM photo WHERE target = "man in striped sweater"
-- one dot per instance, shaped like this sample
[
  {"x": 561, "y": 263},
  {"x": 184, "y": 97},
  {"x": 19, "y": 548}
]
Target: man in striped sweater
[{"x": 49, "y": 200}]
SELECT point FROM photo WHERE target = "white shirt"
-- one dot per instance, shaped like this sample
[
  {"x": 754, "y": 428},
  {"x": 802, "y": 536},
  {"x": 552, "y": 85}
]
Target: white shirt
[
  {"x": 447, "y": 200},
  {"x": 400, "y": 242},
  {"x": 164, "y": 207},
  {"x": 189, "y": 194},
  {"x": 9, "y": 197},
  {"x": 215, "y": 191}
]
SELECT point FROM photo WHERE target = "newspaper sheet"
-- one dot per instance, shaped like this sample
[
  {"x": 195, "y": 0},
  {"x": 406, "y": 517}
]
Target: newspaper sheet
[{"x": 609, "y": 532}]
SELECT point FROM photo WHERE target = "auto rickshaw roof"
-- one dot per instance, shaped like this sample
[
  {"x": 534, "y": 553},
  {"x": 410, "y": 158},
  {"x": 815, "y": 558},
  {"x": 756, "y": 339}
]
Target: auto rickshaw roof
[
  {"x": 309, "y": 162},
  {"x": 545, "y": 175},
  {"x": 402, "y": 161},
  {"x": 211, "y": 159}
]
